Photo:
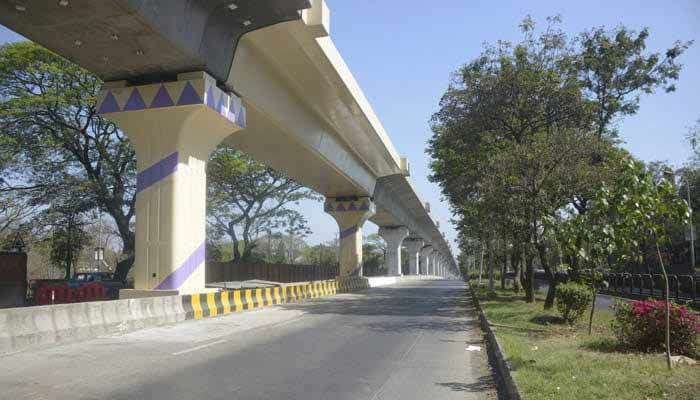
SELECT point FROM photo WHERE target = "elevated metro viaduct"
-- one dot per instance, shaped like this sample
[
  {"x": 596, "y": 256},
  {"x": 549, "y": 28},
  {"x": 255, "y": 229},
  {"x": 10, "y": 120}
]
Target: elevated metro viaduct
[{"x": 181, "y": 76}]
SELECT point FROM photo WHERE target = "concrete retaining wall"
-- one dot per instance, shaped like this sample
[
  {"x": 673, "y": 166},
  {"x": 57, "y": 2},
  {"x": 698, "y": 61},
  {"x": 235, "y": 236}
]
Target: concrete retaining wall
[{"x": 23, "y": 328}]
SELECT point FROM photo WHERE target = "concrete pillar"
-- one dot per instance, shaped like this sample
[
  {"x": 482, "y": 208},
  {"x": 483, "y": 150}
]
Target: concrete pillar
[
  {"x": 173, "y": 127},
  {"x": 393, "y": 236},
  {"x": 350, "y": 214},
  {"x": 413, "y": 248},
  {"x": 425, "y": 259}
]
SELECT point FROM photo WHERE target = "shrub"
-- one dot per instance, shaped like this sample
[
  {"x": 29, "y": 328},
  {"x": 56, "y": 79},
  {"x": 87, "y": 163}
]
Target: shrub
[
  {"x": 572, "y": 300},
  {"x": 640, "y": 325}
]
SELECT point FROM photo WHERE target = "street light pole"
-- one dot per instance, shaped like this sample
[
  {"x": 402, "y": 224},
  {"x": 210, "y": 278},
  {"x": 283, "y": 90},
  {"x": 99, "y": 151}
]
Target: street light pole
[{"x": 692, "y": 228}]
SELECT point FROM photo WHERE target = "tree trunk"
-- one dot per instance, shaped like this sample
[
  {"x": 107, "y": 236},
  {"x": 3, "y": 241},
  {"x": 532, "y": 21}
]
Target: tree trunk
[
  {"x": 504, "y": 263},
  {"x": 515, "y": 262},
  {"x": 523, "y": 270},
  {"x": 551, "y": 281},
  {"x": 125, "y": 233},
  {"x": 234, "y": 243},
  {"x": 128, "y": 246},
  {"x": 481, "y": 264},
  {"x": 489, "y": 246},
  {"x": 529, "y": 279},
  {"x": 590, "y": 318}
]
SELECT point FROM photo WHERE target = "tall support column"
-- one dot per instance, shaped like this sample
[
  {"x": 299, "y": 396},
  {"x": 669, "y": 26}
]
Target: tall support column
[
  {"x": 173, "y": 127},
  {"x": 425, "y": 260},
  {"x": 350, "y": 214},
  {"x": 413, "y": 248},
  {"x": 393, "y": 236}
]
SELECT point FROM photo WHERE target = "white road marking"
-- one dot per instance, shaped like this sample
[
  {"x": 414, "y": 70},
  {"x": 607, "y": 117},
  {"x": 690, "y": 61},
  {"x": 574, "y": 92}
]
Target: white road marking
[
  {"x": 273, "y": 325},
  {"x": 413, "y": 345},
  {"x": 204, "y": 346}
]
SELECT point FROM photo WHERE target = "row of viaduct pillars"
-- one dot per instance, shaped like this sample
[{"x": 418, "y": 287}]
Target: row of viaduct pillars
[
  {"x": 352, "y": 213},
  {"x": 174, "y": 127}
]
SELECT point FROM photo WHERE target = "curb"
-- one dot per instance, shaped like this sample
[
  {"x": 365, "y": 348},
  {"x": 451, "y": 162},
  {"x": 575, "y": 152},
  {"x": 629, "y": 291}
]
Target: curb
[{"x": 496, "y": 355}]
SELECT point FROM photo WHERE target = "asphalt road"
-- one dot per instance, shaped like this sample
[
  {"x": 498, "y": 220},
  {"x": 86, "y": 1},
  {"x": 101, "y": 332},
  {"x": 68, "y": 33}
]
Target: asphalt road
[{"x": 407, "y": 341}]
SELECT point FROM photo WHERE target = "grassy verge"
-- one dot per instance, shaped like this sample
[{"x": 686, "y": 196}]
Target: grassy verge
[{"x": 554, "y": 361}]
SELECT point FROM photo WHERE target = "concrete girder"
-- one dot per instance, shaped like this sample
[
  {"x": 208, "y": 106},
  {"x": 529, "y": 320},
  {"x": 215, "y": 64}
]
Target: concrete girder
[
  {"x": 299, "y": 83},
  {"x": 147, "y": 41},
  {"x": 307, "y": 116}
]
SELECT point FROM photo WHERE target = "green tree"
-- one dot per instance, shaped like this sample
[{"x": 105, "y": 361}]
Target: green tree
[
  {"x": 373, "y": 255},
  {"x": 632, "y": 207},
  {"x": 246, "y": 198},
  {"x": 615, "y": 67},
  {"x": 496, "y": 137},
  {"x": 59, "y": 142},
  {"x": 323, "y": 254}
]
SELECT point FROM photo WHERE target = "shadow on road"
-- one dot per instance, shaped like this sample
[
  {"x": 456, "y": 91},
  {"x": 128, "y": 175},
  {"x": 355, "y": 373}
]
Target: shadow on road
[
  {"x": 437, "y": 307},
  {"x": 483, "y": 384}
]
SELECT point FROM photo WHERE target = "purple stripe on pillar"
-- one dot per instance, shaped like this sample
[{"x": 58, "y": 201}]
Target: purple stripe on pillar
[
  {"x": 350, "y": 231},
  {"x": 156, "y": 172},
  {"x": 180, "y": 275}
]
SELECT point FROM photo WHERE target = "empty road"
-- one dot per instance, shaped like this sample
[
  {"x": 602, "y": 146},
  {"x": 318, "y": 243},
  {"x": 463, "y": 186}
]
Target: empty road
[{"x": 406, "y": 341}]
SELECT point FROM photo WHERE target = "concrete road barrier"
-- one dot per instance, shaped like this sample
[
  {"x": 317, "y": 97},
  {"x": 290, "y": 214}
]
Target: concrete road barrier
[{"x": 23, "y": 328}]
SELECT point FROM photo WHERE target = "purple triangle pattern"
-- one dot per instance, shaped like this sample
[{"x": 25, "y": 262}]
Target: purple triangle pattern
[
  {"x": 188, "y": 96},
  {"x": 135, "y": 101},
  {"x": 340, "y": 207},
  {"x": 352, "y": 206},
  {"x": 364, "y": 207},
  {"x": 109, "y": 104},
  {"x": 162, "y": 98}
]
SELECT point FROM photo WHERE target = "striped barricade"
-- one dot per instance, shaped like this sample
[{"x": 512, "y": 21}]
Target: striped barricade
[{"x": 202, "y": 305}]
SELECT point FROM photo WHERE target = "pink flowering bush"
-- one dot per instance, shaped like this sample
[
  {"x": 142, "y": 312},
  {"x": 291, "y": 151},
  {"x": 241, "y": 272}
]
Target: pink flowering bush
[{"x": 640, "y": 325}]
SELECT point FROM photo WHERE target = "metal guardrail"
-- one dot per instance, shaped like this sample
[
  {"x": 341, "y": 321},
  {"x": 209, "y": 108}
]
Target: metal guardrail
[{"x": 681, "y": 287}]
